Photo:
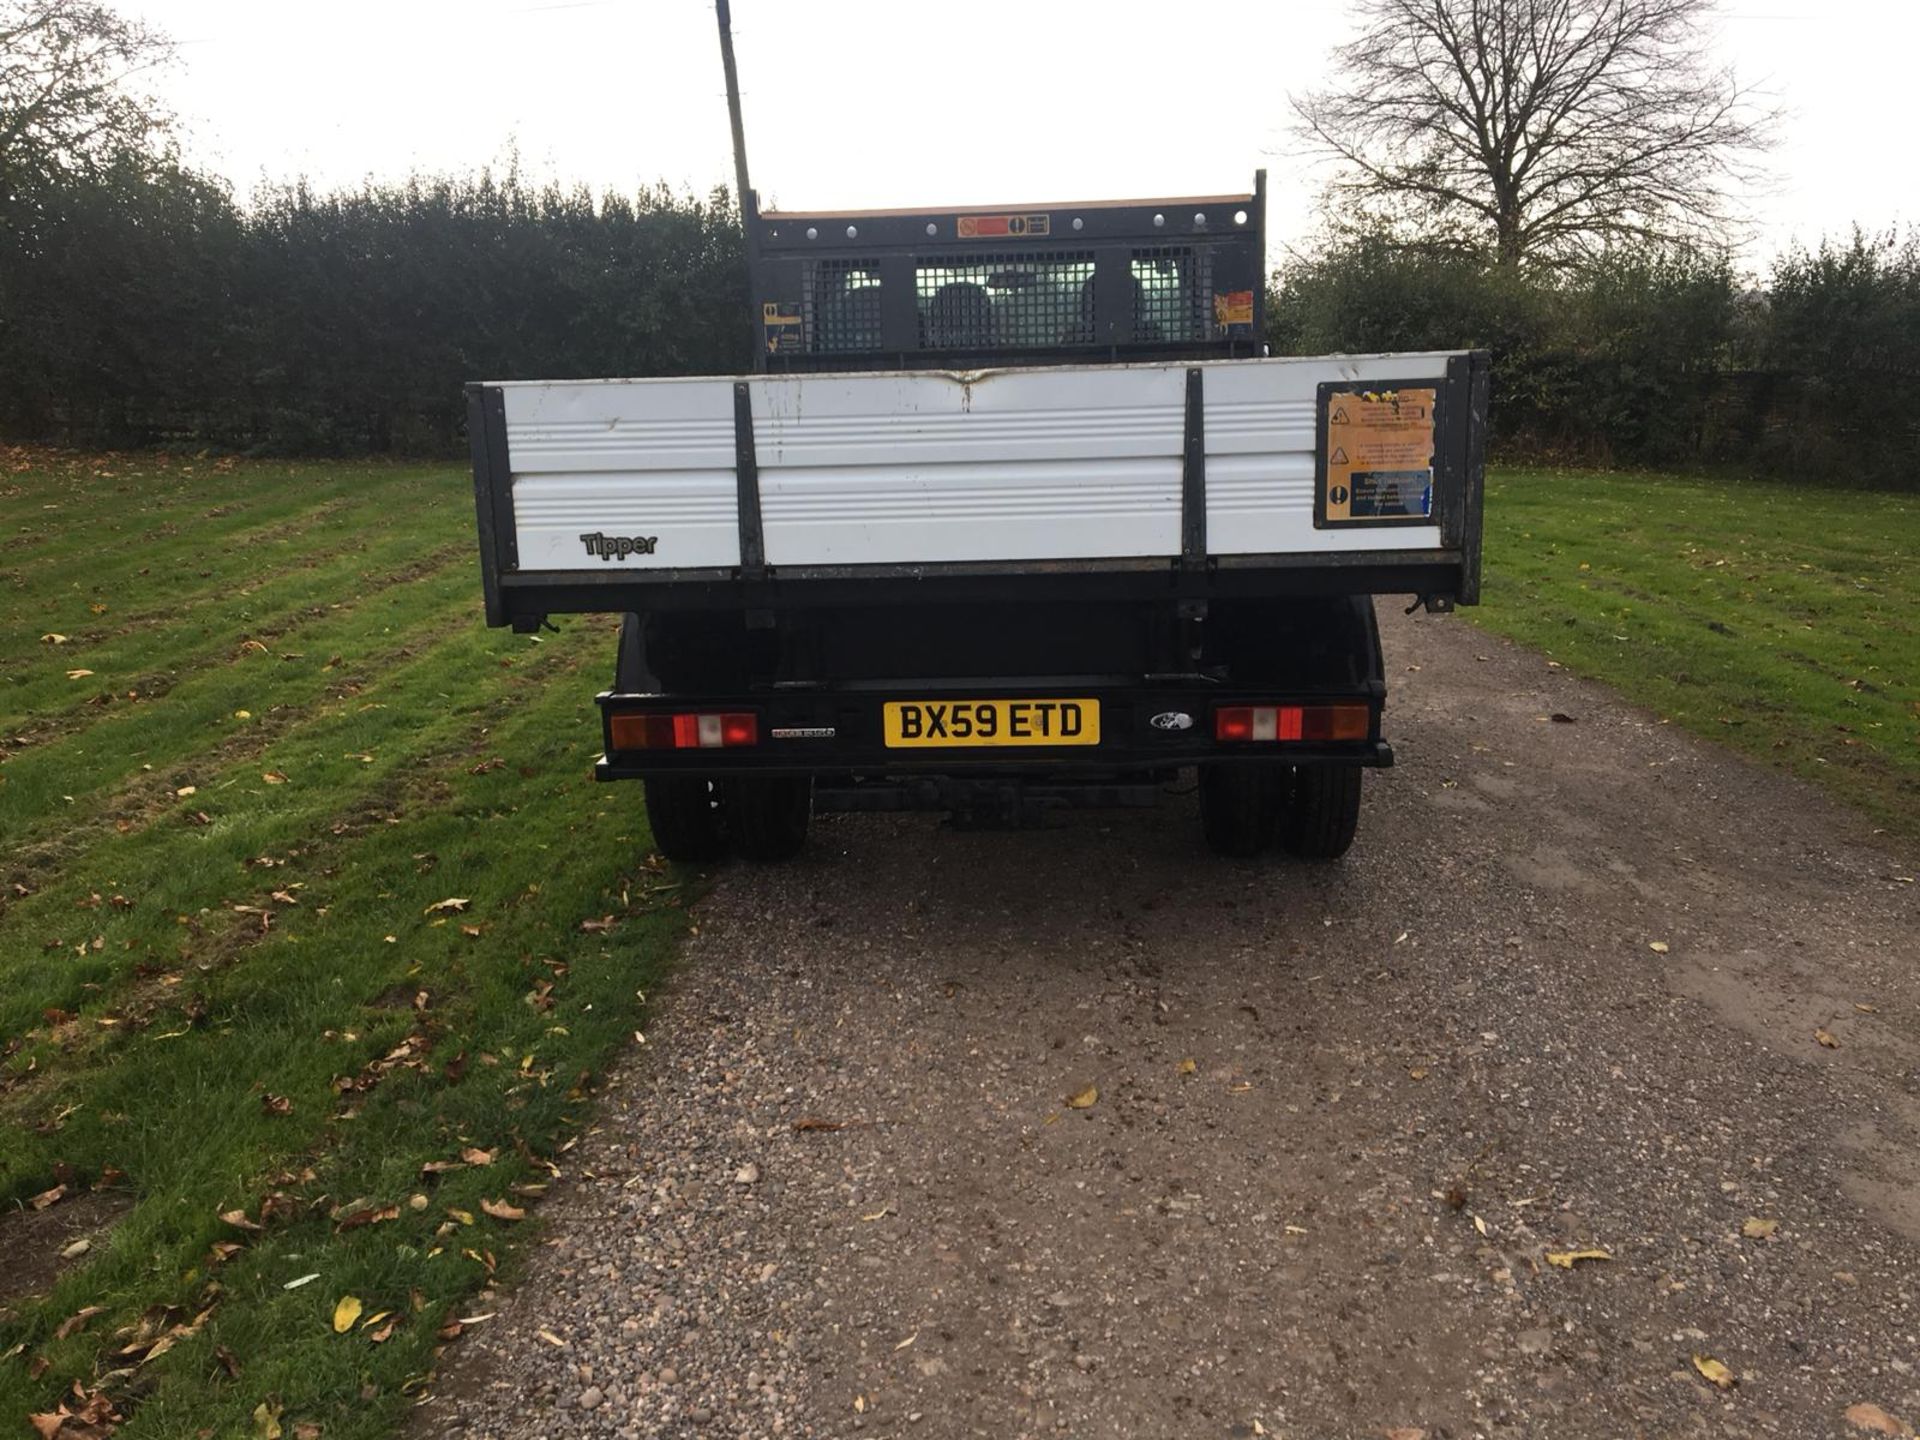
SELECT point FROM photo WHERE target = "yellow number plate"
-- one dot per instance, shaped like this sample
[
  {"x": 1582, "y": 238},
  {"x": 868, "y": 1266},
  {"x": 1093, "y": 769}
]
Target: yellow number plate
[{"x": 951, "y": 724}]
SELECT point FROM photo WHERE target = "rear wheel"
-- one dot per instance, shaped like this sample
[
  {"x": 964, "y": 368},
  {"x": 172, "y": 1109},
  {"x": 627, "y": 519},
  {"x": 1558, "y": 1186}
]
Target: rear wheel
[
  {"x": 1323, "y": 811},
  {"x": 768, "y": 815},
  {"x": 684, "y": 814},
  {"x": 1239, "y": 806}
]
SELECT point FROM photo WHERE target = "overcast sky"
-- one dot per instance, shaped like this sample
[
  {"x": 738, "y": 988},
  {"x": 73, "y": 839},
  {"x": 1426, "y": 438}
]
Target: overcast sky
[{"x": 906, "y": 102}]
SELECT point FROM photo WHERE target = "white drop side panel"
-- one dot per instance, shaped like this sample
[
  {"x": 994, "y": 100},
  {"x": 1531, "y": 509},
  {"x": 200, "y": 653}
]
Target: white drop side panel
[
  {"x": 650, "y": 458},
  {"x": 1261, "y": 447},
  {"x": 927, "y": 466}
]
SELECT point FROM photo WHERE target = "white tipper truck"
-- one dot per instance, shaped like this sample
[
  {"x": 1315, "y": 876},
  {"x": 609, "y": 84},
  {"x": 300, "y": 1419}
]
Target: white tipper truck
[{"x": 1014, "y": 513}]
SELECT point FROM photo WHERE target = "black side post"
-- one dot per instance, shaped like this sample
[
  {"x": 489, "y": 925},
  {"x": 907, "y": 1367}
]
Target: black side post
[
  {"x": 492, "y": 494},
  {"x": 753, "y": 548},
  {"x": 1193, "y": 498}
]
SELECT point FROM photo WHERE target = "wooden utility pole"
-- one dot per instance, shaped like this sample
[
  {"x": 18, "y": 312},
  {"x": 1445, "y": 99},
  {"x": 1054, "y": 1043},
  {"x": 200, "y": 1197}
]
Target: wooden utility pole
[
  {"x": 723, "y": 11},
  {"x": 742, "y": 190}
]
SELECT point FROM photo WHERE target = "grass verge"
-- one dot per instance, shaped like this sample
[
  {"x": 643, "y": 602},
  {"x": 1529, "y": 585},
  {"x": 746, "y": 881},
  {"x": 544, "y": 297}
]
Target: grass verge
[
  {"x": 1779, "y": 621},
  {"x": 391, "y": 923}
]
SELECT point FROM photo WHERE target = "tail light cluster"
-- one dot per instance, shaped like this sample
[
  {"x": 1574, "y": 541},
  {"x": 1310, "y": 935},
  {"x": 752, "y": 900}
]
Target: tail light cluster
[
  {"x": 685, "y": 732},
  {"x": 1260, "y": 723}
]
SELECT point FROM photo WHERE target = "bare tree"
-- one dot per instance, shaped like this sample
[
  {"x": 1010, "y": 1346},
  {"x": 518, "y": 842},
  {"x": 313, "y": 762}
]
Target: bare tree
[
  {"x": 69, "y": 92},
  {"x": 1546, "y": 128}
]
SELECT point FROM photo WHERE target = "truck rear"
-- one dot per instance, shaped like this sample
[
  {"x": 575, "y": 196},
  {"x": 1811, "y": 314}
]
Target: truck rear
[{"x": 1013, "y": 515}]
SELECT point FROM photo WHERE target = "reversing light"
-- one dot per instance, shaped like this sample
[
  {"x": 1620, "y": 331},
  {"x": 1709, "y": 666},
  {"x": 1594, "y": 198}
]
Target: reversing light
[
  {"x": 709, "y": 731},
  {"x": 1264, "y": 723}
]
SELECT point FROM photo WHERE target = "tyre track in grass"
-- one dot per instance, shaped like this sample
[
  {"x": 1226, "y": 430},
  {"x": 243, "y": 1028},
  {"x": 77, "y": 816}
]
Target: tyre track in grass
[
  {"x": 265, "y": 1013},
  {"x": 253, "y": 506},
  {"x": 408, "y": 525},
  {"x": 319, "y": 750},
  {"x": 301, "y": 836},
  {"x": 189, "y": 643},
  {"x": 154, "y": 751}
]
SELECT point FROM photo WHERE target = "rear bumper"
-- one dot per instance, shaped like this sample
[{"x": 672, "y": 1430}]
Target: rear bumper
[{"x": 838, "y": 735}]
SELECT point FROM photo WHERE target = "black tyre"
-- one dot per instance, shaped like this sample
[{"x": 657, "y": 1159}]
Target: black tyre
[
  {"x": 1322, "y": 811},
  {"x": 684, "y": 814},
  {"x": 767, "y": 816},
  {"x": 1239, "y": 807}
]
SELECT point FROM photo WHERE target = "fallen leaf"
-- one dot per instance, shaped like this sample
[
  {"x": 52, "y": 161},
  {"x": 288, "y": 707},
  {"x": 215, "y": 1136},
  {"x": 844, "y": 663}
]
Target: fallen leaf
[
  {"x": 1085, "y": 1100},
  {"x": 1871, "y": 1417},
  {"x": 1714, "y": 1371},
  {"x": 452, "y": 905},
  {"x": 473, "y": 1155},
  {"x": 1866, "y": 1009},
  {"x": 295, "y": 1284},
  {"x": 809, "y": 1124},
  {"x": 1567, "y": 1259},
  {"x": 76, "y": 1249},
  {"x": 51, "y": 638},
  {"x": 238, "y": 1219},
  {"x": 1755, "y": 1228},
  {"x": 266, "y": 1420},
  {"x": 1658, "y": 947},
  {"x": 1825, "y": 1037},
  {"x": 860, "y": 1404},
  {"x": 1406, "y": 1432},
  {"x": 551, "y": 1339},
  {"x": 1189, "y": 1066},
  {"x": 78, "y": 674},
  {"x": 273, "y": 777},
  {"x": 276, "y": 1104},
  {"x": 1418, "y": 1072},
  {"x": 501, "y": 1210},
  {"x": 346, "y": 1313},
  {"x": 77, "y": 1321},
  {"x": 48, "y": 1197},
  {"x": 908, "y": 1341}
]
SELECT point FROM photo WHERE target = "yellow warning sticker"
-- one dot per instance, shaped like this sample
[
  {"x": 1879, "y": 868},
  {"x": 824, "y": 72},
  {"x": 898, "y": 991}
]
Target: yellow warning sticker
[
  {"x": 1233, "y": 307},
  {"x": 1379, "y": 457}
]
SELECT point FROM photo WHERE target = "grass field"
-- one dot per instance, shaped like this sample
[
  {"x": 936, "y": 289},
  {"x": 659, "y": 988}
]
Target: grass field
[
  {"x": 1780, "y": 621},
  {"x": 305, "y": 885}
]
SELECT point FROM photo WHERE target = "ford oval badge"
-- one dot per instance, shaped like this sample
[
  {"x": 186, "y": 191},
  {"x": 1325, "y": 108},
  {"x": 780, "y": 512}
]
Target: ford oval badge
[{"x": 1172, "y": 720}]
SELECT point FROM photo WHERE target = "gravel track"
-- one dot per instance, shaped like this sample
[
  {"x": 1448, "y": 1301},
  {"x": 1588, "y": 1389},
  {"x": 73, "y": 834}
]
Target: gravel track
[{"x": 1413, "y": 1076}]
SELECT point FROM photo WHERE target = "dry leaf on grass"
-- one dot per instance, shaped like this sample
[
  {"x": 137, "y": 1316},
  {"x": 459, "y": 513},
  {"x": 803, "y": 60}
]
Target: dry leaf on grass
[
  {"x": 266, "y": 1420},
  {"x": 274, "y": 777},
  {"x": 1713, "y": 1370},
  {"x": 1567, "y": 1259},
  {"x": 276, "y": 1104},
  {"x": 346, "y": 1313},
  {"x": 78, "y": 674},
  {"x": 77, "y": 1321},
  {"x": 474, "y": 1155},
  {"x": 501, "y": 1210},
  {"x": 452, "y": 905}
]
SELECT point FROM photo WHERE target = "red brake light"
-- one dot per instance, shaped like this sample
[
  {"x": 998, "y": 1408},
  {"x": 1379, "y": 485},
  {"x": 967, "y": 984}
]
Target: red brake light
[
  {"x": 688, "y": 731},
  {"x": 1261, "y": 723}
]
